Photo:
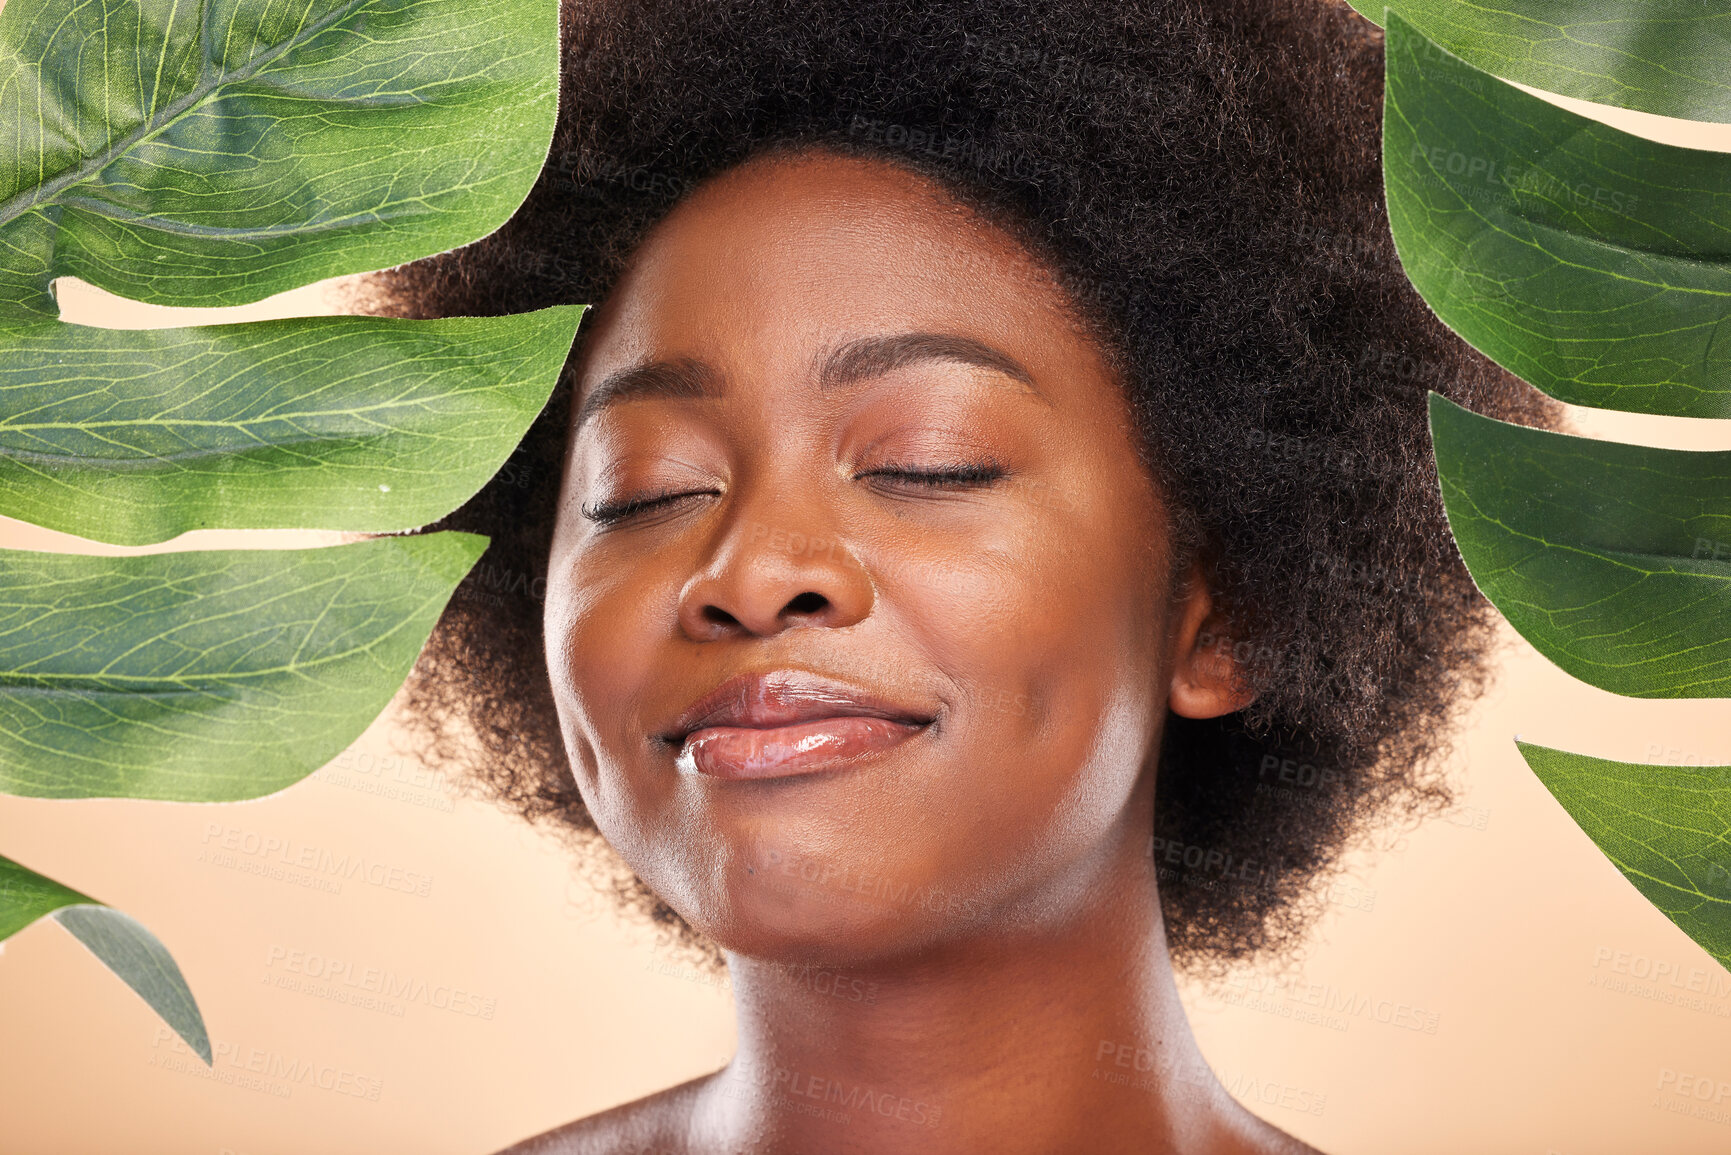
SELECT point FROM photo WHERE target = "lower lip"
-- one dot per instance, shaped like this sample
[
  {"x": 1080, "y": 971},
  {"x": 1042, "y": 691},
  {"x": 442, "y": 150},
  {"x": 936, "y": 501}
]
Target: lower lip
[{"x": 801, "y": 748}]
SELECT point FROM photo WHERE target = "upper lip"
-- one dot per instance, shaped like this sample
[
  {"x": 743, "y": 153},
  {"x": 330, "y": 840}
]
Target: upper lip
[{"x": 783, "y": 697}]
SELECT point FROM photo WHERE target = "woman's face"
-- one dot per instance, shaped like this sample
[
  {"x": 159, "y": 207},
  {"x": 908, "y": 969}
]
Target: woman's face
[{"x": 940, "y": 696}]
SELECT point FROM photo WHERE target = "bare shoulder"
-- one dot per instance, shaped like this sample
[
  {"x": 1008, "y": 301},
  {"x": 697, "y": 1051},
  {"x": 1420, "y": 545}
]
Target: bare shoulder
[
  {"x": 1247, "y": 1133},
  {"x": 1292, "y": 1145},
  {"x": 657, "y": 1124},
  {"x": 1267, "y": 1139}
]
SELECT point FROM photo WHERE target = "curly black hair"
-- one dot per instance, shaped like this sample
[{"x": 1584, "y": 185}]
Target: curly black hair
[{"x": 1203, "y": 179}]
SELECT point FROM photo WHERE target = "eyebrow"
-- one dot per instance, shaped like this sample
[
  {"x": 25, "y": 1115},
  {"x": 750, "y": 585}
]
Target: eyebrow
[{"x": 858, "y": 360}]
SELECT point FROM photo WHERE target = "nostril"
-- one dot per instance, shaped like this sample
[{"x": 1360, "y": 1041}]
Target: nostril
[
  {"x": 807, "y": 603},
  {"x": 716, "y": 616}
]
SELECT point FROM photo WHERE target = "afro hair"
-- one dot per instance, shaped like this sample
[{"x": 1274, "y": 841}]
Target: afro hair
[{"x": 1203, "y": 179}]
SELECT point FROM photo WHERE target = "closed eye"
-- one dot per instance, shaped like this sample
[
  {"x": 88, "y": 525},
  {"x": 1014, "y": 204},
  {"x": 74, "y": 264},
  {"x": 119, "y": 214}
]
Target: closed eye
[
  {"x": 971, "y": 475},
  {"x": 977, "y": 474},
  {"x": 610, "y": 512}
]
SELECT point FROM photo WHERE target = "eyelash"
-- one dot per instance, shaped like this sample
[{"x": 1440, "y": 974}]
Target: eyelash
[
  {"x": 606, "y": 513},
  {"x": 972, "y": 474}
]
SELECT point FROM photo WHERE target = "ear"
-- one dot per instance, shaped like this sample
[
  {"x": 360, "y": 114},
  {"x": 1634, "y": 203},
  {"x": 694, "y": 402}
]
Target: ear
[{"x": 1206, "y": 679}]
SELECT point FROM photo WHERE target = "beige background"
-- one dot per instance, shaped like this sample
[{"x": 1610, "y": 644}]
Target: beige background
[{"x": 1514, "y": 946}]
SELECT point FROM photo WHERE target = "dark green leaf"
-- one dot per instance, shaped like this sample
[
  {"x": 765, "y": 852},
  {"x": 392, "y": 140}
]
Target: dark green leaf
[
  {"x": 325, "y": 423},
  {"x": 218, "y": 151},
  {"x": 120, "y": 942},
  {"x": 1667, "y": 828},
  {"x": 26, "y": 896},
  {"x": 1592, "y": 263},
  {"x": 1613, "y": 560},
  {"x": 1661, "y": 56},
  {"x": 207, "y": 676}
]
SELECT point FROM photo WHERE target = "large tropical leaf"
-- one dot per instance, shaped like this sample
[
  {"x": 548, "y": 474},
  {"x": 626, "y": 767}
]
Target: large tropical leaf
[
  {"x": 1594, "y": 264},
  {"x": 330, "y": 423},
  {"x": 207, "y": 676},
  {"x": 213, "y": 152},
  {"x": 1613, "y": 560},
  {"x": 1661, "y": 56},
  {"x": 120, "y": 942},
  {"x": 1667, "y": 828}
]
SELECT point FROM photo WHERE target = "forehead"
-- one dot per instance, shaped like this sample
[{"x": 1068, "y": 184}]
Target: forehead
[{"x": 785, "y": 255}]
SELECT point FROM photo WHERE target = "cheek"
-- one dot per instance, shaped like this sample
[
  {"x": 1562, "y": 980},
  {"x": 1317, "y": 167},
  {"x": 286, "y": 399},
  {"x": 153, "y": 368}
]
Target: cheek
[
  {"x": 1053, "y": 652},
  {"x": 599, "y": 631}
]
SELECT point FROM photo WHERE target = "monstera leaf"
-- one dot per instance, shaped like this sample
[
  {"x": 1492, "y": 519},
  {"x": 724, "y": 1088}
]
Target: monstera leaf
[
  {"x": 207, "y": 154},
  {"x": 352, "y": 423},
  {"x": 1598, "y": 267},
  {"x": 1613, "y": 560},
  {"x": 1660, "y": 56},
  {"x": 207, "y": 676},
  {"x": 215, "y": 153},
  {"x": 1592, "y": 263},
  {"x": 1667, "y": 828}
]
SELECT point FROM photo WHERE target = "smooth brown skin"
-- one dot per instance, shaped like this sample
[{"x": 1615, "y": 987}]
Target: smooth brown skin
[{"x": 1025, "y": 963}]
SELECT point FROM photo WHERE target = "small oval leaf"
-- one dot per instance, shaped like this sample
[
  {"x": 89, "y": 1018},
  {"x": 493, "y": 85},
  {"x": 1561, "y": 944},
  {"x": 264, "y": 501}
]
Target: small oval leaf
[
  {"x": 144, "y": 964},
  {"x": 122, "y": 944}
]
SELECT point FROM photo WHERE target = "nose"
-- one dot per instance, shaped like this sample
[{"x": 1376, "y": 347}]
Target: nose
[{"x": 766, "y": 576}]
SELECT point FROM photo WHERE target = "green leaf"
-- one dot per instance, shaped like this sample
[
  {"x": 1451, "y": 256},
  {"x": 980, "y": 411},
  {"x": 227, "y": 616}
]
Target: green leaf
[
  {"x": 1613, "y": 560},
  {"x": 1667, "y": 828},
  {"x": 326, "y": 423},
  {"x": 1661, "y": 56},
  {"x": 207, "y": 676},
  {"x": 26, "y": 896},
  {"x": 120, "y": 942},
  {"x": 1592, "y": 263},
  {"x": 213, "y": 152}
]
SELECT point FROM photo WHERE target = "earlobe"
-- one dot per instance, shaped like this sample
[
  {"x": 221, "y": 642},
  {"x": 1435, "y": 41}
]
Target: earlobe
[{"x": 1207, "y": 679}]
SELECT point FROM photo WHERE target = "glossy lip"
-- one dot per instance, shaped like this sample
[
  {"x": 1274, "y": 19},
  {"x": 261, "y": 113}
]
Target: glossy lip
[{"x": 790, "y": 707}]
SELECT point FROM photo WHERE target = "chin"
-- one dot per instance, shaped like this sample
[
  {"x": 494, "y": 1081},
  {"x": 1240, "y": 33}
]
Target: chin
[{"x": 783, "y": 910}]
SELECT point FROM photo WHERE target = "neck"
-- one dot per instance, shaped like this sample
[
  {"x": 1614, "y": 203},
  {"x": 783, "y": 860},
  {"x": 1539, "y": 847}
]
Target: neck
[{"x": 1048, "y": 1036}]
